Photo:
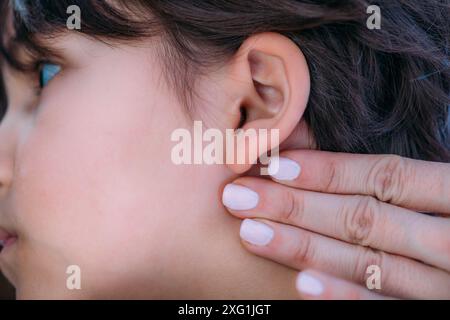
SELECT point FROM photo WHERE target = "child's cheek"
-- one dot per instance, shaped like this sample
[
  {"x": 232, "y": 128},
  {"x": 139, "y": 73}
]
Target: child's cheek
[
  {"x": 95, "y": 187},
  {"x": 84, "y": 196}
]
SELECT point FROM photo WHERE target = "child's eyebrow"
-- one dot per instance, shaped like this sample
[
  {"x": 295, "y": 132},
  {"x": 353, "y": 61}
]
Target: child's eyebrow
[
  {"x": 24, "y": 52},
  {"x": 21, "y": 48}
]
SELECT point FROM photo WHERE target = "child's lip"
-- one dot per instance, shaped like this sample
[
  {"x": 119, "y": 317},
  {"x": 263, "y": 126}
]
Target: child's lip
[{"x": 6, "y": 238}]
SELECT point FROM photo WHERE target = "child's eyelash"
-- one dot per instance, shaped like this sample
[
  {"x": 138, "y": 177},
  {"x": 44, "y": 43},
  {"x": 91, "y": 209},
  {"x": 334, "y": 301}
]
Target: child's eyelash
[
  {"x": 35, "y": 75},
  {"x": 43, "y": 71},
  {"x": 36, "y": 70}
]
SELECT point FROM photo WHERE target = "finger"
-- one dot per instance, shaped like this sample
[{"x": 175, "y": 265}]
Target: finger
[
  {"x": 301, "y": 249},
  {"x": 360, "y": 220},
  {"x": 417, "y": 185},
  {"x": 315, "y": 285}
]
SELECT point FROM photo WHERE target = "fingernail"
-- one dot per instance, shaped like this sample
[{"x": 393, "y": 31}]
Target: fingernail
[
  {"x": 256, "y": 233},
  {"x": 308, "y": 284},
  {"x": 238, "y": 197},
  {"x": 283, "y": 169}
]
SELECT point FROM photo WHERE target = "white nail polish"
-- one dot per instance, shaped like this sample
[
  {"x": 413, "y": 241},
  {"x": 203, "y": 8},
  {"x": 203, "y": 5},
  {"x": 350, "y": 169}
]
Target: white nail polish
[
  {"x": 236, "y": 197},
  {"x": 284, "y": 169},
  {"x": 256, "y": 233},
  {"x": 308, "y": 284}
]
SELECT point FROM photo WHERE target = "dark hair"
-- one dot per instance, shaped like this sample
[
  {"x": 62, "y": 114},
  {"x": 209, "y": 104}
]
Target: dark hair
[{"x": 372, "y": 91}]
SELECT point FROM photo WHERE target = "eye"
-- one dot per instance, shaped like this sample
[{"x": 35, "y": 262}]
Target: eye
[{"x": 47, "y": 72}]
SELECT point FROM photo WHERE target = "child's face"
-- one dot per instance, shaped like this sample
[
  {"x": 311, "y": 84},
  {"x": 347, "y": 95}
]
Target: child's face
[{"x": 88, "y": 180}]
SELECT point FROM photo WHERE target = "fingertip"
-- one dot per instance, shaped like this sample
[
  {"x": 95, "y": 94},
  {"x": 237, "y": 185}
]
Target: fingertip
[
  {"x": 237, "y": 197},
  {"x": 283, "y": 169},
  {"x": 256, "y": 232},
  {"x": 309, "y": 285}
]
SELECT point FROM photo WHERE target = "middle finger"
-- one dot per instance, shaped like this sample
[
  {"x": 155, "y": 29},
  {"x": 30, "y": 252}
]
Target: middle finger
[{"x": 360, "y": 220}]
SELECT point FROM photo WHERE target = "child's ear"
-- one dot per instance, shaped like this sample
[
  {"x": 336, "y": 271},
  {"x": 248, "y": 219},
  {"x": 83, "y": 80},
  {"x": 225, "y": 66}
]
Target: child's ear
[{"x": 270, "y": 85}]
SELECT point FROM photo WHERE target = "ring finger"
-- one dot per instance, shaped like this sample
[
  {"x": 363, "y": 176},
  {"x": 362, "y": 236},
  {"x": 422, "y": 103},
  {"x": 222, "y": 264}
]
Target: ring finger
[{"x": 360, "y": 220}]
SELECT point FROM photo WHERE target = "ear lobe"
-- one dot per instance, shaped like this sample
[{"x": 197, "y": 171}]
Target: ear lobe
[{"x": 274, "y": 97}]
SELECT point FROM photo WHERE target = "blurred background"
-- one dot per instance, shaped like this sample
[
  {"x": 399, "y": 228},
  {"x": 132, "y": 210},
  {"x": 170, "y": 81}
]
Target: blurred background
[{"x": 6, "y": 290}]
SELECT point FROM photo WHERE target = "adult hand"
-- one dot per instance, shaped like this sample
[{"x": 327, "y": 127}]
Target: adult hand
[{"x": 333, "y": 215}]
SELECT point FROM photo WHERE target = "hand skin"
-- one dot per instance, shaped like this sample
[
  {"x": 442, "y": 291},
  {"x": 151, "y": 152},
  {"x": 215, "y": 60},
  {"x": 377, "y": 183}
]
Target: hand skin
[{"x": 345, "y": 212}]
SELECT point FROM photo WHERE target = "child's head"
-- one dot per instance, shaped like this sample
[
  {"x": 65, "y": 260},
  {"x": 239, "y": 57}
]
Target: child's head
[{"x": 85, "y": 168}]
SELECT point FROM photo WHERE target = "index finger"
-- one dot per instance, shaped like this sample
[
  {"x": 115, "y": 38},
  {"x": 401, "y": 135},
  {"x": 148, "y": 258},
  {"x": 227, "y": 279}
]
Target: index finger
[{"x": 414, "y": 184}]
